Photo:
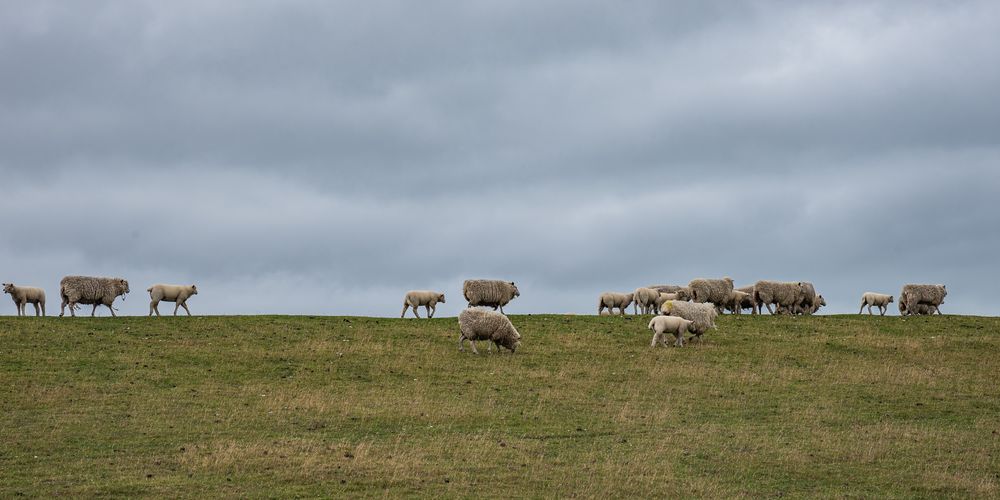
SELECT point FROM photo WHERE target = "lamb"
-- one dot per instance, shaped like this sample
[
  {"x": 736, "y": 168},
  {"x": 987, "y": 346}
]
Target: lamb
[
  {"x": 684, "y": 293},
  {"x": 663, "y": 297},
  {"x": 918, "y": 309},
  {"x": 178, "y": 294},
  {"x": 711, "y": 290},
  {"x": 89, "y": 290},
  {"x": 670, "y": 324},
  {"x": 24, "y": 295},
  {"x": 931, "y": 295},
  {"x": 879, "y": 300},
  {"x": 747, "y": 302},
  {"x": 426, "y": 298},
  {"x": 611, "y": 300},
  {"x": 703, "y": 315},
  {"x": 735, "y": 300},
  {"x": 778, "y": 293},
  {"x": 476, "y": 323},
  {"x": 491, "y": 293},
  {"x": 665, "y": 288},
  {"x": 646, "y": 298}
]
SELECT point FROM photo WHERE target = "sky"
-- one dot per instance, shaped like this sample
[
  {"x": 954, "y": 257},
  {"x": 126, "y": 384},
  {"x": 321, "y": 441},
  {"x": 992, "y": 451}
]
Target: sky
[{"x": 324, "y": 157}]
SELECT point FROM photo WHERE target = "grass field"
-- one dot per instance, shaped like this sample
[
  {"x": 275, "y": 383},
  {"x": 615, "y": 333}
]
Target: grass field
[{"x": 332, "y": 406}]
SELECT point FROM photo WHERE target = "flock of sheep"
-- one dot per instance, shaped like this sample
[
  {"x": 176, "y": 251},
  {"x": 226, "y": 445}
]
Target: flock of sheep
[
  {"x": 87, "y": 290},
  {"x": 681, "y": 309}
]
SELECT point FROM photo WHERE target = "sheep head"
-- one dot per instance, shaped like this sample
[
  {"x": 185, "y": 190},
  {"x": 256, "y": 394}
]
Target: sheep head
[{"x": 8, "y": 288}]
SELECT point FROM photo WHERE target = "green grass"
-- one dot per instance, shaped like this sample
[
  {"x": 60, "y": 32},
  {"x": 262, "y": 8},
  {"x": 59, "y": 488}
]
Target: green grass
[{"x": 330, "y": 406}]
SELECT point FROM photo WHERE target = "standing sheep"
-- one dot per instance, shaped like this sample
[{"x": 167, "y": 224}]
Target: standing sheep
[
  {"x": 747, "y": 302},
  {"x": 703, "y": 315},
  {"x": 912, "y": 295},
  {"x": 879, "y": 300},
  {"x": 735, "y": 301},
  {"x": 89, "y": 290},
  {"x": 645, "y": 298},
  {"x": 611, "y": 300},
  {"x": 24, "y": 295},
  {"x": 490, "y": 293},
  {"x": 178, "y": 294},
  {"x": 477, "y": 323},
  {"x": 787, "y": 294},
  {"x": 426, "y": 298},
  {"x": 711, "y": 290},
  {"x": 670, "y": 324}
]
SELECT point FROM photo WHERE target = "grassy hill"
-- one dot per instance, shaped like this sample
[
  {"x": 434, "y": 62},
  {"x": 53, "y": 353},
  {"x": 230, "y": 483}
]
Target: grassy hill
[{"x": 285, "y": 406}]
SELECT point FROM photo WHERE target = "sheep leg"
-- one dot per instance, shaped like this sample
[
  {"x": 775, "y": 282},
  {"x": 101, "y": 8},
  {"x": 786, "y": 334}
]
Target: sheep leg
[
  {"x": 679, "y": 342},
  {"x": 473, "y": 344},
  {"x": 176, "y": 305},
  {"x": 656, "y": 337},
  {"x": 112, "y": 309},
  {"x": 94, "y": 311},
  {"x": 406, "y": 305},
  {"x": 152, "y": 308},
  {"x": 882, "y": 310},
  {"x": 428, "y": 309},
  {"x": 185, "y": 306},
  {"x": 501, "y": 310},
  {"x": 768, "y": 306},
  {"x": 38, "y": 311},
  {"x": 461, "y": 342},
  {"x": 415, "y": 313},
  {"x": 43, "y": 309}
]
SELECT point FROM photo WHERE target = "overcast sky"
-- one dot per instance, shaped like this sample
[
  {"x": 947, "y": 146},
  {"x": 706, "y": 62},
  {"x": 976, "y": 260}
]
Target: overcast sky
[{"x": 325, "y": 157}]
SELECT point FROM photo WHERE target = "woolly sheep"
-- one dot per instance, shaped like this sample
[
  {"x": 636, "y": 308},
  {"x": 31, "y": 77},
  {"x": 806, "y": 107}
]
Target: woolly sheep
[
  {"x": 24, "y": 295},
  {"x": 490, "y": 293},
  {"x": 703, "y": 315},
  {"x": 711, "y": 290},
  {"x": 645, "y": 298},
  {"x": 178, "y": 294},
  {"x": 92, "y": 291},
  {"x": 670, "y": 324},
  {"x": 427, "y": 298},
  {"x": 684, "y": 293},
  {"x": 788, "y": 294},
  {"x": 477, "y": 323},
  {"x": 931, "y": 295},
  {"x": 879, "y": 300},
  {"x": 611, "y": 300}
]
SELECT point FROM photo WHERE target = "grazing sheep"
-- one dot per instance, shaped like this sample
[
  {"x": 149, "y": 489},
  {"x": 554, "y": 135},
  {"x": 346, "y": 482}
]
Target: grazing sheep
[
  {"x": 670, "y": 324},
  {"x": 703, "y": 315},
  {"x": 684, "y": 293},
  {"x": 787, "y": 294},
  {"x": 711, "y": 290},
  {"x": 931, "y": 295},
  {"x": 24, "y": 295},
  {"x": 482, "y": 324},
  {"x": 879, "y": 300},
  {"x": 611, "y": 300},
  {"x": 426, "y": 298},
  {"x": 665, "y": 288},
  {"x": 89, "y": 290},
  {"x": 490, "y": 293},
  {"x": 178, "y": 294},
  {"x": 735, "y": 300},
  {"x": 645, "y": 298}
]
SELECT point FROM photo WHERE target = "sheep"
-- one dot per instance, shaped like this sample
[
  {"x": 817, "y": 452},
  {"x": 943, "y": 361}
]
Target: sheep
[
  {"x": 711, "y": 290},
  {"x": 703, "y": 315},
  {"x": 89, "y": 290},
  {"x": 427, "y": 298},
  {"x": 670, "y": 324},
  {"x": 24, "y": 295},
  {"x": 879, "y": 300},
  {"x": 809, "y": 301},
  {"x": 611, "y": 300},
  {"x": 919, "y": 310},
  {"x": 646, "y": 298},
  {"x": 778, "y": 293},
  {"x": 665, "y": 288},
  {"x": 663, "y": 297},
  {"x": 684, "y": 293},
  {"x": 735, "y": 300},
  {"x": 178, "y": 294},
  {"x": 491, "y": 293},
  {"x": 476, "y": 323},
  {"x": 747, "y": 302},
  {"x": 931, "y": 295}
]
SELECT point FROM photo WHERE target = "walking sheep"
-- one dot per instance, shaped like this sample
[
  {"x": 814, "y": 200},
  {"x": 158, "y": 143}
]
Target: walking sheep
[
  {"x": 711, "y": 290},
  {"x": 879, "y": 300},
  {"x": 24, "y": 295},
  {"x": 178, "y": 294},
  {"x": 670, "y": 324},
  {"x": 645, "y": 298},
  {"x": 476, "y": 323},
  {"x": 490, "y": 293},
  {"x": 88, "y": 290},
  {"x": 778, "y": 293},
  {"x": 427, "y": 298},
  {"x": 703, "y": 315},
  {"x": 611, "y": 300},
  {"x": 912, "y": 295}
]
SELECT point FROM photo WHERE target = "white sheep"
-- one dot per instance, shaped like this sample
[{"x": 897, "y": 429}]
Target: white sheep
[
  {"x": 646, "y": 298},
  {"x": 477, "y": 323},
  {"x": 703, "y": 315},
  {"x": 670, "y": 324},
  {"x": 735, "y": 301},
  {"x": 715, "y": 291},
  {"x": 24, "y": 295},
  {"x": 426, "y": 298},
  {"x": 490, "y": 293},
  {"x": 178, "y": 294},
  {"x": 91, "y": 291},
  {"x": 611, "y": 300},
  {"x": 879, "y": 300},
  {"x": 930, "y": 295}
]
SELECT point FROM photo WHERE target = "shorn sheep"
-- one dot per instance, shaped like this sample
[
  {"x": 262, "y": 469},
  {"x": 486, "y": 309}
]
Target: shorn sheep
[
  {"x": 747, "y": 302},
  {"x": 477, "y": 323},
  {"x": 611, "y": 300},
  {"x": 735, "y": 300},
  {"x": 88, "y": 290},
  {"x": 675, "y": 325},
  {"x": 490, "y": 293},
  {"x": 24, "y": 295},
  {"x": 715, "y": 291},
  {"x": 426, "y": 298},
  {"x": 879, "y": 300},
  {"x": 646, "y": 299},
  {"x": 703, "y": 315},
  {"x": 929, "y": 295},
  {"x": 781, "y": 294},
  {"x": 178, "y": 294}
]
